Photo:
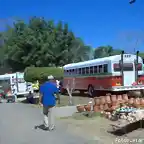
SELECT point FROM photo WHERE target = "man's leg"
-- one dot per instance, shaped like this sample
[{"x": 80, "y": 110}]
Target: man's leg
[
  {"x": 45, "y": 112},
  {"x": 51, "y": 118}
]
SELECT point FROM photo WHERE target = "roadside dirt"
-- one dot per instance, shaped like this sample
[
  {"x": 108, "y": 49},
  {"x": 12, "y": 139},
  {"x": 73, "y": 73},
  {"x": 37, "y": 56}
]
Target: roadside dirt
[{"x": 96, "y": 129}]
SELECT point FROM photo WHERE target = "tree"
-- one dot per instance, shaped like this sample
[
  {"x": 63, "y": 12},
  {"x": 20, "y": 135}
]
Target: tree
[
  {"x": 42, "y": 43},
  {"x": 104, "y": 51}
]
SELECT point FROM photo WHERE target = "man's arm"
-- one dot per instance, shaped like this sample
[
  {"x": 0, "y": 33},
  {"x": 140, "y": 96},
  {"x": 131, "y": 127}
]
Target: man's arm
[{"x": 56, "y": 91}]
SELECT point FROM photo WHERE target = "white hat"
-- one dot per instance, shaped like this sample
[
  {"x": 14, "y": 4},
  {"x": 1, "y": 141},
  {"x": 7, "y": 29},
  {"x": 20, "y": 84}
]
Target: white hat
[{"x": 50, "y": 77}]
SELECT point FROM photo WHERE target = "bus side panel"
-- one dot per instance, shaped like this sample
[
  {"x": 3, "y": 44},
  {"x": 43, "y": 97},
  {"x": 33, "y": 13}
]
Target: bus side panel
[{"x": 82, "y": 83}]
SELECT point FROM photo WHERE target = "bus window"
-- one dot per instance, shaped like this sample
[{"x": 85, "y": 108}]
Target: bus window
[
  {"x": 67, "y": 72},
  {"x": 73, "y": 71},
  {"x": 105, "y": 68},
  {"x": 87, "y": 70},
  {"x": 91, "y": 70},
  {"x": 79, "y": 70},
  {"x": 70, "y": 72},
  {"x": 139, "y": 67},
  {"x": 95, "y": 69},
  {"x": 83, "y": 70},
  {"x": 76, "y": 71},
  {"x": 100, "y": 69},
  {"x": 126, "y": 67}
]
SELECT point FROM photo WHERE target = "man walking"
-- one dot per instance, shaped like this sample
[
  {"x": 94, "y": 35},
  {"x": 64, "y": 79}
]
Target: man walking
[{"x": 48, "y": 100}]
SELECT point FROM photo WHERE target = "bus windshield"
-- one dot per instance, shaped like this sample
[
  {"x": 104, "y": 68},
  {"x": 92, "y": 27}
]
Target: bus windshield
[{"x": 126, "y": 67}]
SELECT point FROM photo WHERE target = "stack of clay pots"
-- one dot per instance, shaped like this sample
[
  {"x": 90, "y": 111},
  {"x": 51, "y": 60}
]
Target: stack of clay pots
[
  {"x": 110, "y": 102},
  {"x": 82, "y": 108},
  {"x": 102, "y": 103}
]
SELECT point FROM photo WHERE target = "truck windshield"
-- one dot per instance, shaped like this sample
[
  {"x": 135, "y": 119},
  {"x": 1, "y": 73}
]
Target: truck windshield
[{"x": 5, "y": 85}]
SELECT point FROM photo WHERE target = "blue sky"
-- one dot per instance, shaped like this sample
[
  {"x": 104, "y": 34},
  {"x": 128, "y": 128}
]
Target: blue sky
[{"x": 97, "y": 22}]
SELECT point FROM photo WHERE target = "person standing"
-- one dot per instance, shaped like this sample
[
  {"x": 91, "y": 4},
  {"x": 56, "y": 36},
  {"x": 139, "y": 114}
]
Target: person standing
[{"x": 48, "y": 100}]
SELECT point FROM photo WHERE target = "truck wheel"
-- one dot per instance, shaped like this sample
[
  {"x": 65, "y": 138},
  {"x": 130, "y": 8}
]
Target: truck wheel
[{"x": 91, "y": 91}]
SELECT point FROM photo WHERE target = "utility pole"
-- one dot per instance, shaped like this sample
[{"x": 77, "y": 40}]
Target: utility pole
[{"x": 132, "y": 1}]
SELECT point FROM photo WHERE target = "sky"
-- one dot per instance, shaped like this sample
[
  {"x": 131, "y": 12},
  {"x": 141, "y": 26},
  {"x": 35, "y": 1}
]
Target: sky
[{"x": 97, "y": 22}]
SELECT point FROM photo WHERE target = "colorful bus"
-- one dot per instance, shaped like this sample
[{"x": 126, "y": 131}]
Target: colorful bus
[{"x": 106, "y": 74}]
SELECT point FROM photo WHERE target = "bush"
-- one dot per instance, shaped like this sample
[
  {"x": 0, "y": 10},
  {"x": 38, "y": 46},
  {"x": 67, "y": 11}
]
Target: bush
[{"x": 31, "y": 74}]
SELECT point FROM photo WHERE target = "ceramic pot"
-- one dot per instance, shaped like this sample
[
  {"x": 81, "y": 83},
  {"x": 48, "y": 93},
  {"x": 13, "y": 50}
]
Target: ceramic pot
[
  {"x": 80, "y": 108},
  {"x": 108, "y": 99},
  {"x": 87, "y": 107},
  {"x": 120, "y": 98},
  {"x": 125, "y": 97},
  {"x": 142, "y": 101},
  {"x": 101, "y": 107},
  {"x": 102, "y": 100},
  {"x": 137, "y": 102},
  {"x": 113, "y": 98},
  {"x": 106, "y": 107},
  {"x": 96, "y": 108},
  {"x": 97, "y": 100},
  {"x": 131, "y": 101}
]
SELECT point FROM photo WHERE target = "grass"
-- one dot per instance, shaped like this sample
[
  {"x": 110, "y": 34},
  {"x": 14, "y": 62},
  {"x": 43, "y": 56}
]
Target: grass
[{"x": 76, "y": 100}]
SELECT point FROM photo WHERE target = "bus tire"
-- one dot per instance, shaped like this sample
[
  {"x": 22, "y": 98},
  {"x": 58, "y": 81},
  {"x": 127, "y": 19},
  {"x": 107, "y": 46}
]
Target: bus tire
[{"x": 91, "y": 91}]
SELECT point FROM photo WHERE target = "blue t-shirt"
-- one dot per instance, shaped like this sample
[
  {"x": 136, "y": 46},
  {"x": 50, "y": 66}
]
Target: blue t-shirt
[{"x": 48, "y": 89}]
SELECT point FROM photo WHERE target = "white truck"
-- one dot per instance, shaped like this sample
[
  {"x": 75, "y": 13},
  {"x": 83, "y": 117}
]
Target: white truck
[{"x": 15, "y": 83}]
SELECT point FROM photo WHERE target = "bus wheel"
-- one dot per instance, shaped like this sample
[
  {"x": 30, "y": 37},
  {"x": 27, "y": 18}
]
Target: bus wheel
[{"x": 91, "y": 91}]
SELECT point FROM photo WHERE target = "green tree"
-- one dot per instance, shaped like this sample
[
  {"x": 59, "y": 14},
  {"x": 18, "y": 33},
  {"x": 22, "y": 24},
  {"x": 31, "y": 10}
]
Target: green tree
[
  {"x": 42, "y": 43},
  {"x": 104, "y": 51}
]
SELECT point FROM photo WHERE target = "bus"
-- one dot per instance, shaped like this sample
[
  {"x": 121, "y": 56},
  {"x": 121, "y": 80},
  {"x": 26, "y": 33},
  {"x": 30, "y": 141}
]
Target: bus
[{"x": 112, "y": 74}]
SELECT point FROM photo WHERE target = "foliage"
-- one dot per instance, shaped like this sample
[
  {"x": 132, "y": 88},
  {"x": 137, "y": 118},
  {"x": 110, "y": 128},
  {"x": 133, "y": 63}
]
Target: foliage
[
  {"x": 105, "y": 51},
  {"x": 42, "y": 43},
  {"x": 32, "y": 74}
]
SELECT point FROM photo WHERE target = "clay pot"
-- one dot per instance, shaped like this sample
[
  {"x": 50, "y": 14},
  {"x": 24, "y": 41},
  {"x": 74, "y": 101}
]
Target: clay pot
[
  {"x": 113, "y": 98},
  {"x": 102, "y": 100},
  {"x": 142, "y": 101},
  {"x": 125, "y": 97},
  {"x": 101, "y": 107},
  {"x": 120, "y": 98},
  {"x": 97, "y": 100},
  {"x": 114, "y": 106},
  {"x": 137, "y": 102},
  {"x": 108, "y": 99},
  {"x": 96, "y": 108},
  {"x": 131, "y": 101},
  {"x": 87, "y": 107},
  {"x": 106, "y": 107},
  {"x": 80, "y": 108}
]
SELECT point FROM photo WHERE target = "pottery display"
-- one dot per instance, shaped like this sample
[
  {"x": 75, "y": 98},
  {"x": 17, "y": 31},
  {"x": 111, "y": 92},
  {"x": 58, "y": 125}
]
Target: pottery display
[
  {"x": 107, "y": 98},
  {"x": 80, "y": 108},
  {"x": 113, "y": 98},
  {"x": 87, "y": 107},
  {"x": 96, "y": 108},
  {"x": 125, "y": 97},
  {"x": 142, "y": 101},
  {"x": 102, "y": 100},
  {"x": 97, "y": 100}
]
